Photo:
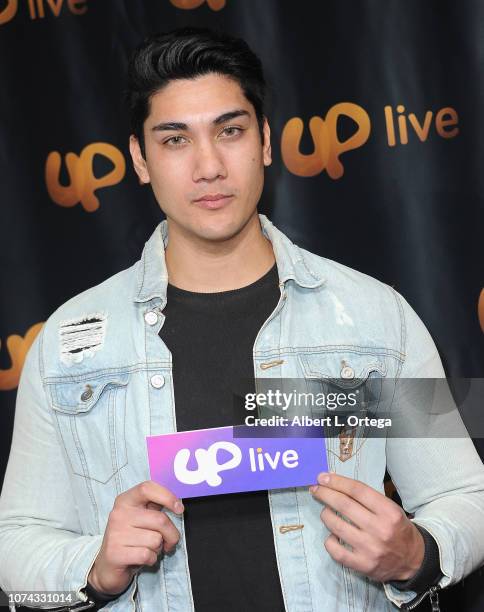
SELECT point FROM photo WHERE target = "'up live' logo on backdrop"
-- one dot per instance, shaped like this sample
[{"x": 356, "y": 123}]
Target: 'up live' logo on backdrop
[
  {"x": 82, "y": 181},
  {"x": 328, "y": 148},
  {"x": 39, "y": 9},
  {"x": 213, "y": 461},
  {"x": 215, "y": 5},
  {"x": 17, "y": 348}
]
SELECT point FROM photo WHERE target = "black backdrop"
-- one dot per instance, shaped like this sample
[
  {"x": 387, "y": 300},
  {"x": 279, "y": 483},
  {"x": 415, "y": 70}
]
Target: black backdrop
[{"x": 409, "y": 213}]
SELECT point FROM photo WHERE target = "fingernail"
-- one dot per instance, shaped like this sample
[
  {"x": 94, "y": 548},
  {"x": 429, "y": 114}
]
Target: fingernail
[
  {"x": 313, "y": 488},
  {"x": 179, "y": 507},
  {"x": 323, "y": 478}
]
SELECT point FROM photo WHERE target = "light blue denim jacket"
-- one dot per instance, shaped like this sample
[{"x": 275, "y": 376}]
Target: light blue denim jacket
[{"x": 82, "y": 415}]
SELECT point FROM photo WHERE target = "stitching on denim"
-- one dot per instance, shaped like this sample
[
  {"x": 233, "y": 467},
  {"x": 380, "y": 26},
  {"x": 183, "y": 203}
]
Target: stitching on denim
[
  {"x": 278, "y": 318},
  {"x": 304, "y": 261},
  {"x": 276, "y": 546},
  {"x": 347, "y": 588},
  {"x": 187, "y": 568},
  {"x": 347, "y": 384},
  {"x": 113, "y": 414},
  {"x": 367, "y": 594},
  {"x": 40, "y": 352},
  {"x": 108, "y": 479},
  {"x": 143, "y": 277},
  {"x": 357, "y": 459},
  {"x": 139, "y": 367},
  {"x": 87, "y": 481},
  {"x": 403, "y": 330},
  {"x": 72, "y": 425},
  {"x": 304, "y": 549},
  {"x": 147, "y": 380},
  {"x": 123, "y": 399},
  {"x": 117, "y": 481},
  {"x": 351, "y": 585},
  {"x": 138, "y": 599},
  {"x": 56, "y": 416},
  {"x": 163, "y": 573},
  {"x": 348, "y": 348},
  {"x": 112, "y": 429},
  {"x": 118, "y": 474}
]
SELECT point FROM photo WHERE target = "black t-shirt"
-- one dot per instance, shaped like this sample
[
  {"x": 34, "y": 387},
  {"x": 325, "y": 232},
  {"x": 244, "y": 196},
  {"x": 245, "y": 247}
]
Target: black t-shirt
[{"x": 229, "y": 537}]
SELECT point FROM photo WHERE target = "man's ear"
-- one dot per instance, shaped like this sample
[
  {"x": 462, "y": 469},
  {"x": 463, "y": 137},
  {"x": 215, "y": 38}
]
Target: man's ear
[
  {"x": 139, "y": 162},
  {"x": 267, "y": 143}
]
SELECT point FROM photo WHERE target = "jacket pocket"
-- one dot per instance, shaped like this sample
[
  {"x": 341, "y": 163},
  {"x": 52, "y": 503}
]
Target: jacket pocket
[
  {"x": 91, "y": 418},
  {"x": 352, "y": 386}
]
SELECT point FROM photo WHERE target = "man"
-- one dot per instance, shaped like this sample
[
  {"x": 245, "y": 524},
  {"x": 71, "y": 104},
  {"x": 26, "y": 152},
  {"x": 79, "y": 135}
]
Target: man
[{"x": 220, "y": 295}]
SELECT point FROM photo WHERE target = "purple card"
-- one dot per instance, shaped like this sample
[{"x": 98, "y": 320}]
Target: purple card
[{"x": 213, "y": 461}]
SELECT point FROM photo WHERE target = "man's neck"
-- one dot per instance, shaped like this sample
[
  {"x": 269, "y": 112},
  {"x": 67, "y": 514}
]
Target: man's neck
[{"x": 209, "y": 266}]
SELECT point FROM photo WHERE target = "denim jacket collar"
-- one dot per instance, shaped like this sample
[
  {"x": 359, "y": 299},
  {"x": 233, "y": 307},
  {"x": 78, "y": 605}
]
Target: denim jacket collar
[{"x": 152, "y": 274}]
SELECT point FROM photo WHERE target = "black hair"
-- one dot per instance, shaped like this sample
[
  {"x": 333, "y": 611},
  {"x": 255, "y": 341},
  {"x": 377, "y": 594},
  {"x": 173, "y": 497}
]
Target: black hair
[{"x": 186, "y": 53}]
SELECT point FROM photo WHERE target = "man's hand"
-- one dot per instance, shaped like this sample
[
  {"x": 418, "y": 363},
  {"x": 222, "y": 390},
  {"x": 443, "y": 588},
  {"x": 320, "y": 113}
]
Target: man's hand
[
  {"x": 135, "y": 534},
  {"x": 385, "y": 544}
]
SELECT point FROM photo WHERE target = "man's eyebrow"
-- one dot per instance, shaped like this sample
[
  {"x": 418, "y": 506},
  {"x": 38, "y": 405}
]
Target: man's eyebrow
[{"x": 175, "y": 125}]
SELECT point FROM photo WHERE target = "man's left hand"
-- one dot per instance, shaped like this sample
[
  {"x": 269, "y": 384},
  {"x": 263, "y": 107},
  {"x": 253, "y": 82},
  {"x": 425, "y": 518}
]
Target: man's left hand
[{"x": 385, "y": 544}]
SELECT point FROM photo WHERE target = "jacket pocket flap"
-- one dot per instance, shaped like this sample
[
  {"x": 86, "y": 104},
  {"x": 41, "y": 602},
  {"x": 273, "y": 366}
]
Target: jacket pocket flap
[
  {"x": 342, "y": 369},
  {"x": 80, "y": 396}
]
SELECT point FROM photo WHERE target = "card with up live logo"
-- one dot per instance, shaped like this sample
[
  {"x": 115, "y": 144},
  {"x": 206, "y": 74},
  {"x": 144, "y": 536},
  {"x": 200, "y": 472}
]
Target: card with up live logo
[{"x": 213, "y": 461}]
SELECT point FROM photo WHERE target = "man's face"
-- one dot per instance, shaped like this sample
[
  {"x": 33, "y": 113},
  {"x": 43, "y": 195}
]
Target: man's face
[{"x": 210, "y": 155}]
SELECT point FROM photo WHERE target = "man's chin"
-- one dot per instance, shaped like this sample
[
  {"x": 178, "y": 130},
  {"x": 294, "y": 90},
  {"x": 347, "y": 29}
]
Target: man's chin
[
  {"x": 221, "y": 230},
  {"x": 218, "y": 234}
]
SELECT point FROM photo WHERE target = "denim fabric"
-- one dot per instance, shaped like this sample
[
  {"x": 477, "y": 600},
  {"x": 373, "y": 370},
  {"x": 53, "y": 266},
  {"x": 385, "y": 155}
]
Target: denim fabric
[{"x": 82, "y": 415}]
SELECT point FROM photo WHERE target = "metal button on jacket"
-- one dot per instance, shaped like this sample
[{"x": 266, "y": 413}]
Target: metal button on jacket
[
  {"x": 347, "y": 372},
  {"x": 157, "y": 381},
  {"x": 87, "y": 394},
  {"x": 151, "y": 318}
]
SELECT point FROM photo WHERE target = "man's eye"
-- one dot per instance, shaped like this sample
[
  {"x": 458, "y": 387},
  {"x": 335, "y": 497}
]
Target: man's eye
[
  {"x": 173, "y": 138},
  {"x": 231, "y": 127}
]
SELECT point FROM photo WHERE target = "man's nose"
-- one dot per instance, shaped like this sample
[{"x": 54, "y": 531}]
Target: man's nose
[{"x": 209, "y": 162}]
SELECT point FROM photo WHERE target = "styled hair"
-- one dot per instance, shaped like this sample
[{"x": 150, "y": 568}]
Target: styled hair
[{"x": 187, "y": 53}]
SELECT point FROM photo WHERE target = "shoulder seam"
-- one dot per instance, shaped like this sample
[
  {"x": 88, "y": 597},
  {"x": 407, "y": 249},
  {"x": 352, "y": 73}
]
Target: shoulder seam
[{"x": 403, "y": 329}]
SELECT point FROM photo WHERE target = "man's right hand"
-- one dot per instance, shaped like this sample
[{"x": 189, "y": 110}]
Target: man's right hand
[{"x": 135, "y": 534}]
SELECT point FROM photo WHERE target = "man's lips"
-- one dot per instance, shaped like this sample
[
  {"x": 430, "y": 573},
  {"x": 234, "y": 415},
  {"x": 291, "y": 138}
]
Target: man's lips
[
  {"x": 212, "y": 198},
  {"x": 213, "y": 202}
]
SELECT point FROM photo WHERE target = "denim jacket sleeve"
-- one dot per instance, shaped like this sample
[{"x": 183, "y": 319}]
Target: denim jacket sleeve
[
  {"x": 440, "y": 480},
  {"x": 41, "y": 544}
]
